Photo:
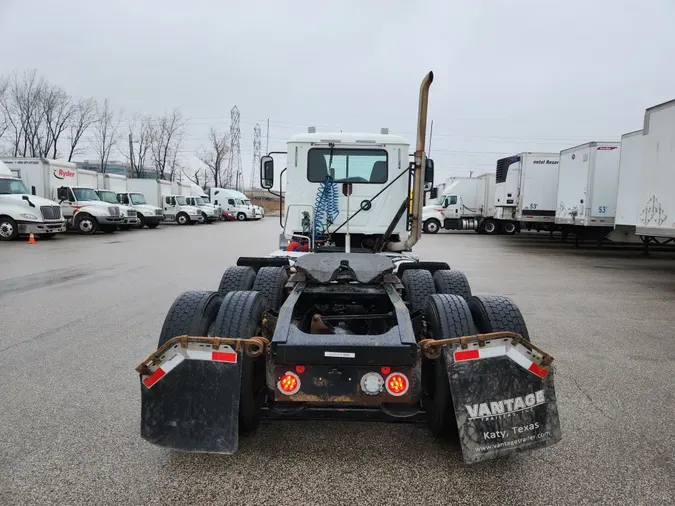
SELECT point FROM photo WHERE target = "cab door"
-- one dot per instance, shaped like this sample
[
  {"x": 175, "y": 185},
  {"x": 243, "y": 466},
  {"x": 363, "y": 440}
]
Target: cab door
[
  {"x": 170, "y": 208},
  {"x": 451, "y": 207}
]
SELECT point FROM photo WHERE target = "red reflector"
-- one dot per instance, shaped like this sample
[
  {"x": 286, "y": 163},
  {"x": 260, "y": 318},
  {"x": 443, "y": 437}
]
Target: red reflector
[
  {"x": 385, "y": 370},
  {"x": 299, "y": 369},
  {"x": 397, "y": 384},
  {"x": 539, "y": 371},
  {"x": 466, "y": 355},
  {"x": 153, "y": 378},
  {"x": 602, "y": 221},
  {"x": 224, "y": 356},
  {"x": 529, "y": 217},
  {"x": 289, "y": 383}
]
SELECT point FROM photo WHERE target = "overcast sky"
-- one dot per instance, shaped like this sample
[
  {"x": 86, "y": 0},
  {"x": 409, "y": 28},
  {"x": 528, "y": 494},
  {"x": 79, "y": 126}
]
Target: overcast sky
[{"x": 510, "y": 75}]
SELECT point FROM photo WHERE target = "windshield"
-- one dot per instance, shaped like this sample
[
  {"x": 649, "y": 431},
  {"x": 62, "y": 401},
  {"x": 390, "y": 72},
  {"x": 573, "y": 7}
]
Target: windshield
[
  {"x": 348, "y": 165},
  {"x": 205, "y": 199},
  {"x": 440, "y": 199},
  {"x": 138, "y": 198},
  {"x": 85, "y": 194},
  {"x": 247, "y": 202},
  {"x": 199, "y": 201},
  {"x": 12, "y": 187},
  {"x": 109, "y": 197},
  {"x": 182, "y": 201},
  {"x": 239, "y": 202}
]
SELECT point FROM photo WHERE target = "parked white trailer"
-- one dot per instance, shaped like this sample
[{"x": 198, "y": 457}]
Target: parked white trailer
[
  {"x": 656, "y": 192},
  {"x": 630, "y": 166},
  {"x": 74, "y": 191},
  {"x": 114, "y": 182},
  {"x": 526, "y": 191},
  {"x": 587, "y": 189}
]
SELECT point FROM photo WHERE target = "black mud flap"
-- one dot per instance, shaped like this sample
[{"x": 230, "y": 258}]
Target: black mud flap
[
  {"x": 192, "y": 407},
  {"x": 501, "y": 407}
]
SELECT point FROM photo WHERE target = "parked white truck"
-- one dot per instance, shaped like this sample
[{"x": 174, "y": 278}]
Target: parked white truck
[
  {"x": 158, "y": 193},
  {"x": 656, "y": 191},
  {"x": 108, "y": 186},
  {"x": 59, "y": 180},
  {"x": 24, "y": 213},
  {"x": 526, "y": 191},
  {"x": 233, "y": 202},
  {"x": 466, "y": 204},
  {"x": 587, "y": 190},
  {"x": 210, "y": 213}
]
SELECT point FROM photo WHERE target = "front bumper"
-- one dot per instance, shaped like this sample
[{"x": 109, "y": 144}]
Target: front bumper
[
  {"x": 31, "y": 227},
  {"x": 154, "y": 218},
  {"x": 131, "y": 221},
  {"x": 110, "y": 220}
]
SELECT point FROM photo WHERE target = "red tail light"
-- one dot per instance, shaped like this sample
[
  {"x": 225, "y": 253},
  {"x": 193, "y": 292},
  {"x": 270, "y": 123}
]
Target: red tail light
[
  {"x": 396, "y": 384},
  {"x": 289, "y": 383}
]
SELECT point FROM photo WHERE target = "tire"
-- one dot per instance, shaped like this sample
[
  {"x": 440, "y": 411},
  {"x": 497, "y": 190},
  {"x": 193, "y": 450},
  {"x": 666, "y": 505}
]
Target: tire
[
  {"x": 241, "y": 217},
  {"x": 86, "y": 224},
  {"x": 192, "y": 222},
  {"x": 448, "y": 316},
  {"x": 490, "y": 227},
  {"x": 495, "y": 313},
  {"x": 182, "y": 219},
  {"x": 418, "y": 285},
  {"x": 452, "y": 283},
  {"x": 47, "y": 236},
  {"x": 236, "y": 278},
  {"x": 509, "y": 228},
  {"x": 153, "y": 225},
  {"x": 191, "y": 313},
  {"x": 431, "y": 226},
  {"x": 270, "y": 282},
  {"x": 9, "y": 230},
  {"x": 124, "y": 227},
  {"x": 141, "y": 221},
  {"x": 240, "y": 315},
  {"x": 108, "y": 229}
]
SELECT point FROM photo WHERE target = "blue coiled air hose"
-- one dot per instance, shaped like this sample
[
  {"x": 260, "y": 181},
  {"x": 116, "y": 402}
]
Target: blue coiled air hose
[{"x": 326, "y": 207}]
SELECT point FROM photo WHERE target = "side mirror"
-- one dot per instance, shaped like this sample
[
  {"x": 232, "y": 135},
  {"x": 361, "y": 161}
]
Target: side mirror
[
  {"x": 429, "y": 175},
  {"x": 62, "y": 193},
  {"x": 266, "y": 172}
]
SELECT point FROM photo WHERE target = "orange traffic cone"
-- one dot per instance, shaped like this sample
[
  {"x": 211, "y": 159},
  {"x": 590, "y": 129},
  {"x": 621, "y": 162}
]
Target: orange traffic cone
[{"x": 31, "y": 239}]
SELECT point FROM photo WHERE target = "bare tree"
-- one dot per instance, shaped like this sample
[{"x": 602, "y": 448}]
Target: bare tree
[
  {"x": 166, "y": 143},
  {"x": 200, "y": 178},
  {"x": 142, "y": 131},
  {"x": 105, "y": 133},
  {"x": 84, "y": 116},
  {"x": 59, "y": 109},
  {"x": 4, "y": 120},
  {"x": 215, "y": 155}
]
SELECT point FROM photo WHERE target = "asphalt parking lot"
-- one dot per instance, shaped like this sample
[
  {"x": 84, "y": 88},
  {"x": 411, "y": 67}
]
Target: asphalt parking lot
[{"x": 79, "y": 313}]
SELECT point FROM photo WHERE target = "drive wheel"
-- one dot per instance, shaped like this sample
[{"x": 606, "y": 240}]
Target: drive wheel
[
  {"x": 509, "y": 228},
  {"x": 192, "y": 313},
  {"x": 182, "y": 219},
  {"x": 235, "y": 279},
  {"x": 494, "y": 313},
  {"x": 490, "y": 227},
  {"x": 452, "y": 283},
  {"x": 431, "y": 226},
  {"x": 418, "y": 284},
  {"x": 448, "y": 316},
  {"x": 240, "y": 316},
  {"x": 8, "y": 229},
  {"x": 86, "y": 224},
  {"x": 270, "y": 282}
]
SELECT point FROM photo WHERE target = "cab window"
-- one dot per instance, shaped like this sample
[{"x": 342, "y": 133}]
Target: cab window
[{"x": 230, "y": 201}]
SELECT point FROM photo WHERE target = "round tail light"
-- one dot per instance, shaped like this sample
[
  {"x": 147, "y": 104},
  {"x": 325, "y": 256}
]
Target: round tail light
[
  {"x": 289, "y": 383},
  {"x": 396, "y": 384}
]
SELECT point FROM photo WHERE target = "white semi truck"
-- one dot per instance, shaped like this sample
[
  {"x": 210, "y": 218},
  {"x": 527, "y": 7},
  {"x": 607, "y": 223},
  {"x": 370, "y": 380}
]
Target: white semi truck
[
  {"x": 587, "y": 190},
  {"x": 526, "y": 191},
  {"x": 108, "y": 186},
  {"x": 159, "y": 193},
  {"x": 466, "y": 204},
  {"x": 24, "y": 213},
  {"x": 76, "y": 194},
  {"x": 656, "y": 190},
  {"x": 233, "y": 202}
]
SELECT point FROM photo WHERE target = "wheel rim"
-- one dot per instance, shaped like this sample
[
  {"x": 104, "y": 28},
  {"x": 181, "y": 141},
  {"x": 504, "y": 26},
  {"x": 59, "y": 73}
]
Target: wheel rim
[
  {"x": 509, "y": 227},
  {"x": 86, "y": 225},
  {"x": 241, "y": 217},
  {"x": 6, "y": 229},
  {"x": 489, "y": 227},
  {"x": 182, "y": 220},
  {"x": 433, "y": 227}
]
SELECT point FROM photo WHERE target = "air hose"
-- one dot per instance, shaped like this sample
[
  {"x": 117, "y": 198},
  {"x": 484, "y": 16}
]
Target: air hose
[{"x": 326, "y": 208}]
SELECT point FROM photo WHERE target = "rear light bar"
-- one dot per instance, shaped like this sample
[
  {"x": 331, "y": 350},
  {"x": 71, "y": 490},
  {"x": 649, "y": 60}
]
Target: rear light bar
[{"x": 528, "y": 360}]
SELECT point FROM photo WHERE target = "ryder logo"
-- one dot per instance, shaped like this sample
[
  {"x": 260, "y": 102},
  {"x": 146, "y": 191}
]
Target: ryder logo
[
  {"x": 505, "y": 407},
  {"x": 62, "y": 174}
]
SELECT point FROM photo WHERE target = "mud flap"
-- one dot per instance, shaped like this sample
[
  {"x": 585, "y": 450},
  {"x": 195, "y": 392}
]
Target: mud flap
[
  {"x": 193, "y": 404},
  {"x": 501, "y": 407}
]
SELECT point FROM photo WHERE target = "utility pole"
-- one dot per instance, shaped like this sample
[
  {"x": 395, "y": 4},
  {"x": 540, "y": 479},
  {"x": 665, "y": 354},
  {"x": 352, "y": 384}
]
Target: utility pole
[{"x": 131, "y": 156}]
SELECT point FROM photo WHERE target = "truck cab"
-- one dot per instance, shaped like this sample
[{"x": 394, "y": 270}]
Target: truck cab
[
  {"x": 85, "y": 211},
  {"x": 210, "y": 213},
  {"x": 148, "y": 215},
  {"x": 177, "y": 210},
  {"x": 130, "y": 215},
  {"x": 23, "y": 213},
  {"x": 233, "y": 202}
]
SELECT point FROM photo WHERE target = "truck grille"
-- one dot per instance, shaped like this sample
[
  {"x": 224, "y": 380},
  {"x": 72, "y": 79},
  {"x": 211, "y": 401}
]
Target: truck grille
[
  {"x": 158, "y": 212},
  {"x": 51, "y": 212},
  {"x": 131, "y": 213},
  {"x": 114, "y": 211}
]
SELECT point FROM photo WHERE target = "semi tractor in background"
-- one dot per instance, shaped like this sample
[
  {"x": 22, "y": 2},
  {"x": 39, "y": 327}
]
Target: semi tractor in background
[
  {"x": 22, "y": 212},
  {"x": 159, "y": 194},
  {"x": 233, "y": 202},
  {"x": 76, "y": 193}
]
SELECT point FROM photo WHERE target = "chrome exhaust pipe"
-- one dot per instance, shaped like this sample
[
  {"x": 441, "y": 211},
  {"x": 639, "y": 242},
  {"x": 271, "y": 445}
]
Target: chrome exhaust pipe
[{"x": 420, "y": 163}]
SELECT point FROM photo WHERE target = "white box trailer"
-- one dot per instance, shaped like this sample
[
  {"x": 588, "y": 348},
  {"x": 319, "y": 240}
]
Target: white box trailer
[
  {"x": 87, "y": 178},
  {"x": 154, "y": 190},
  {"x": 113, "y": 182},
  {"x": 656, "y": 192},
  {"x": 526, "y": 191},
  {"x": 588, "y": 180},
  {"x": 630, "y": 165}
]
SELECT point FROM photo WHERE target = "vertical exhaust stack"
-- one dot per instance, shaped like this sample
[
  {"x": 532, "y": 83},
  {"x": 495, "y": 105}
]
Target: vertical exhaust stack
[{"x": 420, "y": 162}]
